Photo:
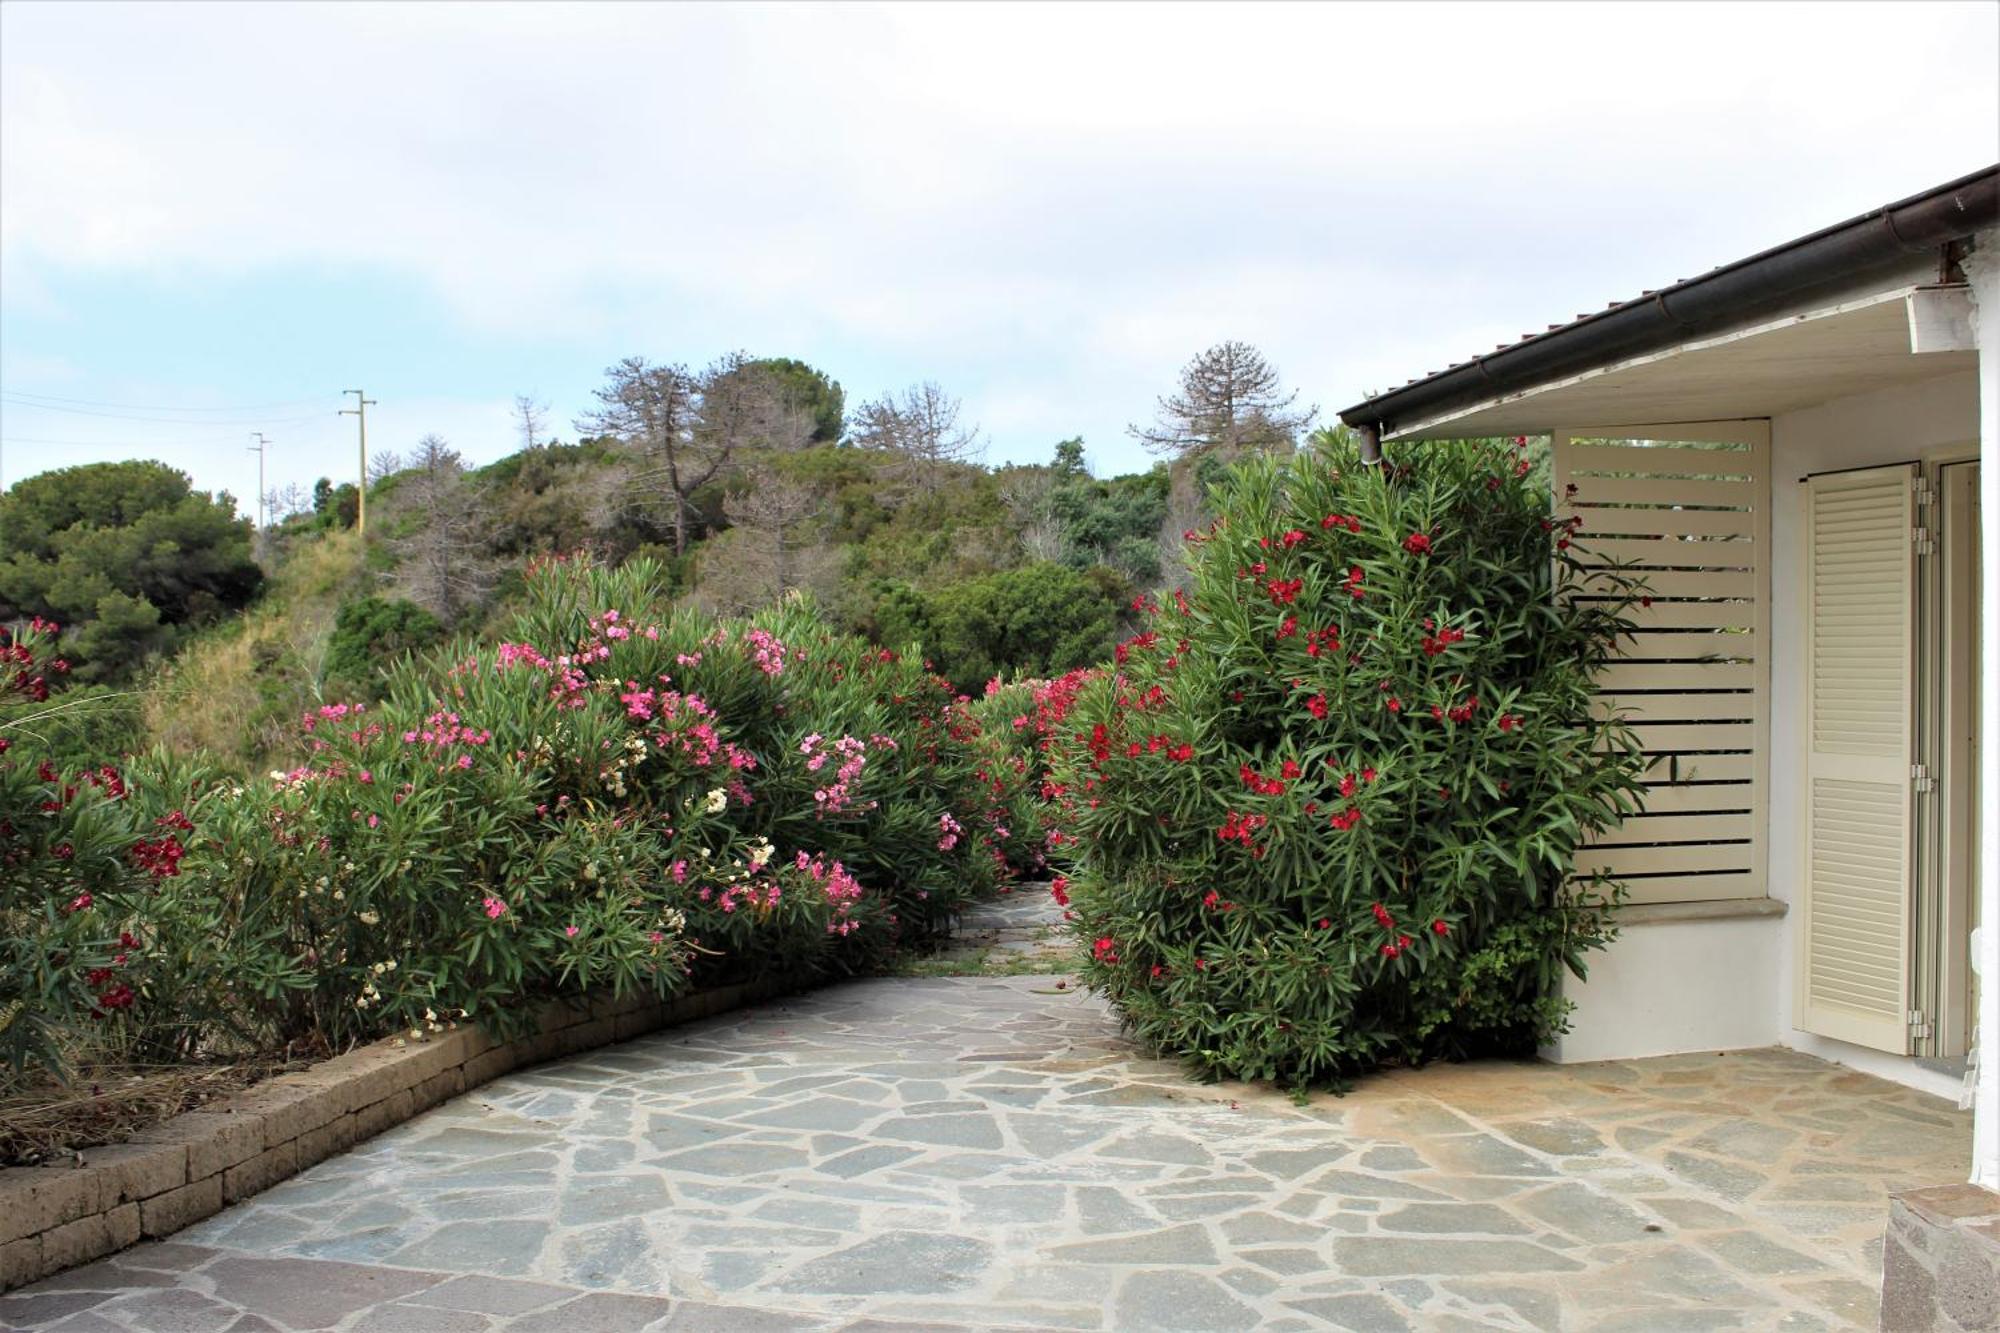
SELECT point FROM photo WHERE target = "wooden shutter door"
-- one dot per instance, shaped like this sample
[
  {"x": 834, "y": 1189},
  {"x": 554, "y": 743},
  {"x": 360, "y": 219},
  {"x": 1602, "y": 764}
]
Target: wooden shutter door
[{"x": 1854, "y": 974}]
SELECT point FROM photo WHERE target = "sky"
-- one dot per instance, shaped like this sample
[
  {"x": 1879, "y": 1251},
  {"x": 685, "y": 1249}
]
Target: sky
[{"x": 215, "y": 218}]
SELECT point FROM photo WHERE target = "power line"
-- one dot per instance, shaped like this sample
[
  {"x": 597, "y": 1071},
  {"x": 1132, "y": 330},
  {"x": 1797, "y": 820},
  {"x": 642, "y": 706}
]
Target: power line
[
  {"x": 165, "y": 407},
  {"x": 8, "y": 398},
  {"x": 121, "y": 444}
]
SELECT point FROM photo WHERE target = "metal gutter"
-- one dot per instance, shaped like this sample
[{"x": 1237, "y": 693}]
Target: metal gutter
[{"x": 1717, "y": 301}]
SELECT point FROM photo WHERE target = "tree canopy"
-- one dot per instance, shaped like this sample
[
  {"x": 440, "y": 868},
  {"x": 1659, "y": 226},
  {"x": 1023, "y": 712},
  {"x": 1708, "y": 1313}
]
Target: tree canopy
[{"x": 129, "y": 554}]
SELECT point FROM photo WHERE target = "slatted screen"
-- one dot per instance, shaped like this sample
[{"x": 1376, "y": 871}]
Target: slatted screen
[
  {"x": 1687, "y": 509},
  {"x": 1860, "y": 582}
]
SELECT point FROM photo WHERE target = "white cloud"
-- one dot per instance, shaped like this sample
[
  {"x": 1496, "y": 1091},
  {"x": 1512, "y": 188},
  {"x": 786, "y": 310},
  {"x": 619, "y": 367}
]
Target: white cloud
[{"x": 1098, "y": 189}]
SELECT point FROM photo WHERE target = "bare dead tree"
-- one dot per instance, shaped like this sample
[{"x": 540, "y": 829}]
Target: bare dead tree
[
  {"x": 281, "y": 502},
  {"x": 745, "y": 406},
  {"x": 1029, "y": 494},
  {"x": 1187, "y": 511},
  {"x": 442, "y": 562},
  {"x": 776, "y": 512},
  {"x": 531, "y": 419},
  {"x": 919, "y": 429},
  {"x": 384, "y": 463},
  {"x": 1230, "y": 401},
  {"x": 653, "y": 411}
]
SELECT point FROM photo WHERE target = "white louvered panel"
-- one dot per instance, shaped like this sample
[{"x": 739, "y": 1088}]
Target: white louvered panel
[
  {"x": 1854, "y": 922},
  {"x": 1687, "y": 513},
  {"x": 1635, "y": 521},
  {"x": 1667, "y": 553}
]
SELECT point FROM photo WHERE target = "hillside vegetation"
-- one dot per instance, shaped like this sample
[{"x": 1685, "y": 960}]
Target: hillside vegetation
[{"x": 744, "y": 481}]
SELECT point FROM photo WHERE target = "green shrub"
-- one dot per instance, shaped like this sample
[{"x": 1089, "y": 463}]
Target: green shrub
[
  {"x": 1327, "y": 804},
  {"x": 1040, "y": 619},
  {"x": 81, "y": 727},
  {"x": 372, "y": 633}
]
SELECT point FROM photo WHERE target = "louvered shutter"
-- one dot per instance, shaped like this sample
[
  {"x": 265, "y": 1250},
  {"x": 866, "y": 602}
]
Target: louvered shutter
[
  {"x": 1854, "y": 980},
  {"x": 1686, "y": 508}
]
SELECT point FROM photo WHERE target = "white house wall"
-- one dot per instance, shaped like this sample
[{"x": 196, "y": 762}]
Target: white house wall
[
  {"x": 1983, "y": 270},
  {"x": 1667, "y": 987},
  {"x": 1895, "y": 425}
]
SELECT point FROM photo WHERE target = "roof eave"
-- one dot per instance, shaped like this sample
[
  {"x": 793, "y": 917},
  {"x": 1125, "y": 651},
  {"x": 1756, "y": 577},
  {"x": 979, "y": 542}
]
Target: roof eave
[{"x": 1723, "y": 299}]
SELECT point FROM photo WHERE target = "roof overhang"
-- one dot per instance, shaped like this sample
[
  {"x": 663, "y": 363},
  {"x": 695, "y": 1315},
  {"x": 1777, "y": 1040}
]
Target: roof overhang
[
  {"x": 1918, "y": 239},
  {"x": 1856, "y": 346}
]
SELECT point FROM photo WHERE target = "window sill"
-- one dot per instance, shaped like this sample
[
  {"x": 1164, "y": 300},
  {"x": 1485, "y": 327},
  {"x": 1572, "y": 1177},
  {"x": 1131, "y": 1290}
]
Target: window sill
[{"x": 1721, "y": 909}]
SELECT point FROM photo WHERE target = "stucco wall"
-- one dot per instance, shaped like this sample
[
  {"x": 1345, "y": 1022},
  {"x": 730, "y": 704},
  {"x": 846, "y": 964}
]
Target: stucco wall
[
  {"x": 1665, "y": 988},
  {"x": 1983, "y": 269},
  {"x": 1891, "y": 426}
]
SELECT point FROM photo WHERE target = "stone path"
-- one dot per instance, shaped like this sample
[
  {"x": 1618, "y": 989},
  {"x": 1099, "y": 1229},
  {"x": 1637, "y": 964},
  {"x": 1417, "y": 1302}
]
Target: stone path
[
  {"x": 990, "y": 1152},
  {"x": 1017, "y": 934}
]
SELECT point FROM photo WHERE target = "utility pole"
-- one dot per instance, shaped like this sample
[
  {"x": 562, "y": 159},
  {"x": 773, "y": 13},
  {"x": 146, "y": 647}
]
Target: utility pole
[
  {"x": 360, "y": 412},
  {"x": 258, "y": 449}
]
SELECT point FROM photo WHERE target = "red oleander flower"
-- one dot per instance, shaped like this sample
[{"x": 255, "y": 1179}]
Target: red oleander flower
[{"x": 1417, "y": 543}]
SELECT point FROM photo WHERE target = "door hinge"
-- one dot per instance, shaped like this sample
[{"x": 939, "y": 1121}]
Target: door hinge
[
  {"x": 1921, "y": 779},
  {"x": 1920, "y": 1026},
  {"x": 1921, "y": 537},
  {"x": 1923, "y": 491}
]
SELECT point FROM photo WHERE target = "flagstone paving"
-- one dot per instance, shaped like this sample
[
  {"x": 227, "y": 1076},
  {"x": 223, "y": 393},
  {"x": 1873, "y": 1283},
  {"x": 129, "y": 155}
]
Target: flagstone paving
[{"x": 990, "y": 1152}]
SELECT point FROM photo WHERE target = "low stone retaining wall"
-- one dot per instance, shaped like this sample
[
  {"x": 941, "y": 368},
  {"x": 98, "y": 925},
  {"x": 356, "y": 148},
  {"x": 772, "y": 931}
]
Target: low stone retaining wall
[
  {"x": 1941, "y": 1261},
  {"x": 177, "y": 1173}
]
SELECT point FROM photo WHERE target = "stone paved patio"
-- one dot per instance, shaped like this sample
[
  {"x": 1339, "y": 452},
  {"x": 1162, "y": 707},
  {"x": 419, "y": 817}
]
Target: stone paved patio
[{"x": 989, "y": 1152}]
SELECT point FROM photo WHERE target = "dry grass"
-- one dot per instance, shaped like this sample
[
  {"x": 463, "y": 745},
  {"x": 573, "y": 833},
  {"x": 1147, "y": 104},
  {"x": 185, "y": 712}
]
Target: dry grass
[
  {"x": 205, "y": 696},
  {"x": 109, "y": 1103}
]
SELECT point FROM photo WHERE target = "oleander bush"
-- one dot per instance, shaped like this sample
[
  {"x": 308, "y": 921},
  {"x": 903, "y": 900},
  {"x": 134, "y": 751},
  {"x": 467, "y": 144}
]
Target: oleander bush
[
  {"x": 613, "y": 795},
  {"x": 1326, "y": 803},
  {"x": 1025, "y": 721}
]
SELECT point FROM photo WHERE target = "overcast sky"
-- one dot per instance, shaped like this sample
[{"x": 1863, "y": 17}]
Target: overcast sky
[{"x": 215, "y": 218}]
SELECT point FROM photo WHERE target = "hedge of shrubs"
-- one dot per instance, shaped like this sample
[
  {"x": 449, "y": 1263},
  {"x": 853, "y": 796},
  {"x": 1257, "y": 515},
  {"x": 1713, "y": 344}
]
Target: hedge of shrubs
[
  {"x": 612, "y": 796},
  {"x": 1326, "y": 803}
]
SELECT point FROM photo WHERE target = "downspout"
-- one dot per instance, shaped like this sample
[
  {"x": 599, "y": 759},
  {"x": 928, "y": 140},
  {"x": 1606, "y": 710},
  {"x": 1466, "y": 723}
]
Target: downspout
[{"x": 1371, "y": 445}]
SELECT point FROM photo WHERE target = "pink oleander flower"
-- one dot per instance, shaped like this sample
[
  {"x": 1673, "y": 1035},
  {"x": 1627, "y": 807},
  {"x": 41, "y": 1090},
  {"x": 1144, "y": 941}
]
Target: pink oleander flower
[
  {"x": 495, "y": 909},
  {"x": 767, "y": 651}
]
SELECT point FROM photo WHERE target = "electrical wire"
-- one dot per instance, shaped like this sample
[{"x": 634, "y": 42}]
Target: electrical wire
[
  {"x": 167, "y": 407},
  {"x": 10, "y": 400}
]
